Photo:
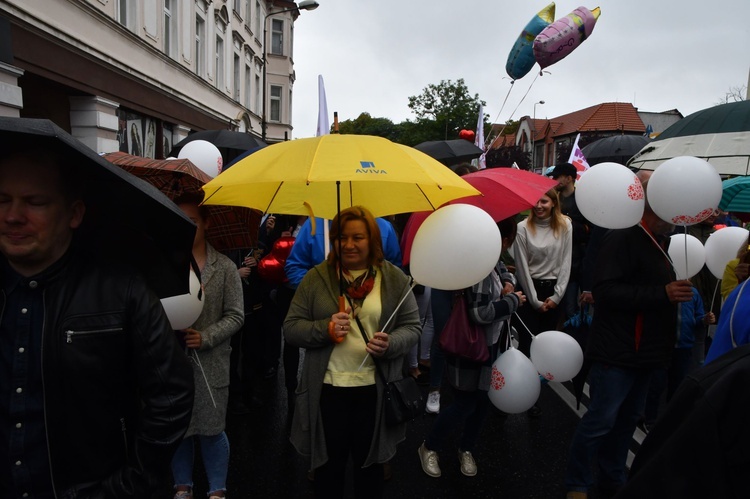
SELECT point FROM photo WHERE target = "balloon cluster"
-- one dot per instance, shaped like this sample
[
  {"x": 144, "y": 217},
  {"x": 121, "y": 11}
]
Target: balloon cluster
[
  {"x": 545, "y": 42},
  {"x": 515, "y": 380}
]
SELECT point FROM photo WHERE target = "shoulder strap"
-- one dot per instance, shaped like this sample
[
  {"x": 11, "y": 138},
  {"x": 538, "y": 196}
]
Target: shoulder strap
[{"x": 365, "y": 337}]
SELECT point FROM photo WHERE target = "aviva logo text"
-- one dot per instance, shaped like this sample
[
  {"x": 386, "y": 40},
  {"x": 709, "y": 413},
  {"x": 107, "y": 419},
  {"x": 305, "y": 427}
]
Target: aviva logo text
[{"x": 368, "y": 167}]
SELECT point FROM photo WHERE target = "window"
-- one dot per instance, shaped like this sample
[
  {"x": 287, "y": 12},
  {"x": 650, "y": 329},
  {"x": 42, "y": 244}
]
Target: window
[
  {"x": 170, "y": 30},
  {"x": 248, "y": 12},
  {"x": 258, "y": 103},
  {"x": 248, "y": 87},
  {"x": 237, "y": 7},
  {"x": 258, "y": 17},
  {"x": 200, "y": 49},
  {"x": 277, "y": 37},
  {"x": 275, "y": 114},
  {"x": 289, "y": 107},
  {"x": 236, "y": 82},
  {"x": 219, "y": 62},
  {"x": 291, "y": 40},
  {"x": 126, "y": 13}
]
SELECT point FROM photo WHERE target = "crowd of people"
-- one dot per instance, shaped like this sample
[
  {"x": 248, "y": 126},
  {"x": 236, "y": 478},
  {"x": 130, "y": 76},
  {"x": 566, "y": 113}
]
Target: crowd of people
[{"x": 139, "y": 396}]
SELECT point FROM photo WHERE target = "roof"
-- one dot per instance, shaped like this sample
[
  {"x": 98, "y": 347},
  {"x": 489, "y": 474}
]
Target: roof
[
  {"x": 608, "y": 116},
  {"x": 619, "y": 117}
]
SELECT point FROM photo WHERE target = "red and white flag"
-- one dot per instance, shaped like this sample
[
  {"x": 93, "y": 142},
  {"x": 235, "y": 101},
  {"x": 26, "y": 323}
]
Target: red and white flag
[
  {"x": 577, "y": 158},
  {"x": 479, "y": 139}
]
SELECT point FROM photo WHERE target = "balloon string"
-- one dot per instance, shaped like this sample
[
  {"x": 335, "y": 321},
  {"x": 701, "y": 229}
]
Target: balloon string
[
  {"x": 489, "y": 132},
  {"x": 687, "y": 274},
  {"x": 713, "y": 298},
  {"x": 500, "y": 133},
  {"x": 524, "y": 325},
  {"x": 208, "y": 385},
  {"x": 411, "y": 287},
  {"x": 658, "y": 246}
]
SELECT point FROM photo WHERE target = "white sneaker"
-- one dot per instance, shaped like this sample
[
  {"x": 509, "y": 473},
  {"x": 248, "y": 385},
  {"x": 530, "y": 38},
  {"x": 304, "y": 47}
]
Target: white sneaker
[
  {"x": 468, "y": 465},
  {"x": 433, "y": 402}
]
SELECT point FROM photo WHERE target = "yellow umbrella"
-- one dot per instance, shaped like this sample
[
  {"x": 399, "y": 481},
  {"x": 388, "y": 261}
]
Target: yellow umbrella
[{"x": 305, "y": 177}]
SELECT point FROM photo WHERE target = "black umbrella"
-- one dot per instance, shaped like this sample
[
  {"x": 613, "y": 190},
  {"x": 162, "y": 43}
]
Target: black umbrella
[
  {"x": 126, "y": 218},
  {"x": 450, "y": 152},
  {"x": 615, "y": 149},
  {"x": 230, "y": 143}
]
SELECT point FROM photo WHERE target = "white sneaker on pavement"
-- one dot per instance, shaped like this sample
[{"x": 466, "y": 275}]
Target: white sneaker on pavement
[{"x": 433, "y": 402}]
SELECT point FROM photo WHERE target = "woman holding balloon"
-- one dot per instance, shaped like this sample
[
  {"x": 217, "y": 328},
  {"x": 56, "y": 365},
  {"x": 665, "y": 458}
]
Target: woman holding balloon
[
  {"x": 542, "y": 252},
  {"x": 339, "y": 401},
  {"x": 490, "y": 303},
  {"x": 208, "y": 345}
]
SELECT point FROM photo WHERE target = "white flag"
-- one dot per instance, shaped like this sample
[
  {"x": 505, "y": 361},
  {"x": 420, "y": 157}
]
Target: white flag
[
  {"x": 324, "y": 126},
  {"x": 479, "y": 140}
]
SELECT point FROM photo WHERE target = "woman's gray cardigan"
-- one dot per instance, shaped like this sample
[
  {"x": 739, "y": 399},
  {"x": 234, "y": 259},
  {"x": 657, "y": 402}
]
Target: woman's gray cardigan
[
  {"x": 306, "y": 326},
  {"x": 221, "y": 317}
]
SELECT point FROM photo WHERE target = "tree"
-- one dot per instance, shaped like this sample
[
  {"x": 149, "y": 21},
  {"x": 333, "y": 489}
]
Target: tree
[
  {"x": 734, "y": 94},
  {"x": 365, "y": 124},
  {"x": 506, "y": 156},
  {"x": 444, "y": 109}
]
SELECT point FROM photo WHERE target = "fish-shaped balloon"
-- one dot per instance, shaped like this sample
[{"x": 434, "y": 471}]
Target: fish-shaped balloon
[
  {"x": 560, "y": 38},
  {"x": 521, "y": 56}
]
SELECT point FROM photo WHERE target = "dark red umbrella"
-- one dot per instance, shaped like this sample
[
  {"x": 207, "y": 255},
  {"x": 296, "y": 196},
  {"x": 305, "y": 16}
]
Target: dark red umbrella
[
  {"x": 230, "y": 227},
  {"x": 505, "y": 192}
]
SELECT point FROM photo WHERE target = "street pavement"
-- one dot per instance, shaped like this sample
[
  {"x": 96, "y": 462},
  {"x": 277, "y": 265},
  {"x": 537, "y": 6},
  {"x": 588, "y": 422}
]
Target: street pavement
[{"x": 518, "y": 457}]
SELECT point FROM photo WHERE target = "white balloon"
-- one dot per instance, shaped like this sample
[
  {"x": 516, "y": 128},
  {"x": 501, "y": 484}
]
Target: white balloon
[
  {"x": 515, "y": 385},
  {"x": 204, "y": 155},
  {"x": 722, "y": 246},
  {"x": 184, "y": 310},
  {"x": 455, "y": 247},
  {"x": 686, "y": 266},
  {"x": 610, "y": 196},
  {"x": 556, "y": 355},
  {"x": 684, "y": 190}
]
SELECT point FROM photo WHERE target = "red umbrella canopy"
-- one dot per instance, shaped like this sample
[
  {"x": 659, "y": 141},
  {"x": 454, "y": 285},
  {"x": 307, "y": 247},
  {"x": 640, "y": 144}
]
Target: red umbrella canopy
[
  {"x": 505, "y": 192},
  {"x": 230, "y": 227}
]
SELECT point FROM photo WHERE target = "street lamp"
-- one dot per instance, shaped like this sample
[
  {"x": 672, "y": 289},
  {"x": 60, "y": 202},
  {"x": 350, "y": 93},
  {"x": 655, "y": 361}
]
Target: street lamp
[
  {"x": 533, "y": 136},
  {"x": 303, "y": 5}
]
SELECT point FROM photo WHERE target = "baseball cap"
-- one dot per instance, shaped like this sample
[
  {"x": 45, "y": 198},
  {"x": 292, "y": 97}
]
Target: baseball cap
[{"x": 564, "y": 169}]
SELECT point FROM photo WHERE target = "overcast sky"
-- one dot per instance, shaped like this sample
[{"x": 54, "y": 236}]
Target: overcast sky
[{"x": 656, "y": 54}]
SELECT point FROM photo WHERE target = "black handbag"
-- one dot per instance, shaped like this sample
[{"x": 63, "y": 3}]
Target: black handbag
[{"x": 402, "y": 399}]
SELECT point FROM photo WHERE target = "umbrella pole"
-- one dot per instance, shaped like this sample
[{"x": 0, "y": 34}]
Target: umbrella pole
[{"x": 342, "y": 301}]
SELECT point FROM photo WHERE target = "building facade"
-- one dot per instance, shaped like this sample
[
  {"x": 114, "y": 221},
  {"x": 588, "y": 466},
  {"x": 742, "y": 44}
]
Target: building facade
[{"x": 140, "y": 75}]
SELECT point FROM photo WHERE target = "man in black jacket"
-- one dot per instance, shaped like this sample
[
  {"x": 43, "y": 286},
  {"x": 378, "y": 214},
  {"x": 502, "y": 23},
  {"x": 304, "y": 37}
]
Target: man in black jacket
[
  {"x": 95, "y": 393},
  {"x": 701, "y": 445},
  {"x": 633, "y": 334}
]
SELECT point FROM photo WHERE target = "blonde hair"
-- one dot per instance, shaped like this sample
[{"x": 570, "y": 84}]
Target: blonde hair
[{"x": 557, "y": 219}]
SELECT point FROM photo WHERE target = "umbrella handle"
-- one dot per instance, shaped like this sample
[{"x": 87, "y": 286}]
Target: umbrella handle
[{"x": 332, "y": 325}]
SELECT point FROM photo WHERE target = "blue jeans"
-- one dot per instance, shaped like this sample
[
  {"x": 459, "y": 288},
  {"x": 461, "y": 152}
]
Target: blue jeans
[
  {"x": 618, "y": 398},
  {"x": 215, "y": 451},
  {"x": 468, "y": 410}
]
